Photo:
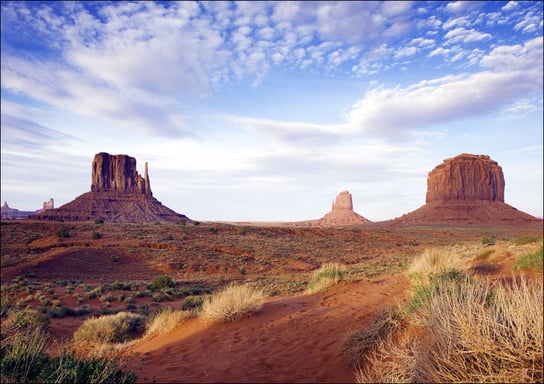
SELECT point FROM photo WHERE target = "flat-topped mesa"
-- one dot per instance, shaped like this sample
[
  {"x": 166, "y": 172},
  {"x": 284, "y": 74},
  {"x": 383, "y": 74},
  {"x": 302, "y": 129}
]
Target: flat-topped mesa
[
  {"x": 117, "y": 173},
  {"x": 466, "y": 177},
  {"x": 343, "y": 201}
]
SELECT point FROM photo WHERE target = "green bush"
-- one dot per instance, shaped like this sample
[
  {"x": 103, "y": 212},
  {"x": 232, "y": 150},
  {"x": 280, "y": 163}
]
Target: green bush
[
  {"x": 531, "y": 261},
  {"x": 161, "y": 282},
  {"x": 96, "y": 235},
  {"x": 62, "y": 232},
  {"x": 192, "y": 302}
]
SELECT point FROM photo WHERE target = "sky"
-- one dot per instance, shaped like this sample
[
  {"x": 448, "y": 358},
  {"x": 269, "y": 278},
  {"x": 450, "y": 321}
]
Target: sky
[{"x": 265, "y": 111}]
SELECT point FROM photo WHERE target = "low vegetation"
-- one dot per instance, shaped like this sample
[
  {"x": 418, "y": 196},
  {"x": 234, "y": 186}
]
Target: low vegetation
[
  {"x": 24, "y": 342},
  {"x": 329, "y": 274},
  {"x": 166, "y": 321},
  {"x": 463, "y": 329},
  {"x": 232, "y": 303},
  {"x": 533, "y": 261},
  {"x": 110, "y": 328}
]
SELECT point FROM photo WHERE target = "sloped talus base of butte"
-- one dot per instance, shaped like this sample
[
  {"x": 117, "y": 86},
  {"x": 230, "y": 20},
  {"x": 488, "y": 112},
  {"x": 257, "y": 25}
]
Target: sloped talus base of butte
[
  {"x": 113, "y": 207},
  {"x": 470, "y": 212}
]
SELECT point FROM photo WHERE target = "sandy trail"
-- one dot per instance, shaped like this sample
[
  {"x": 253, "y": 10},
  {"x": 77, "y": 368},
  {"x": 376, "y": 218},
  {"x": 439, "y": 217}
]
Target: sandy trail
[{"x": 295, "y": 339}]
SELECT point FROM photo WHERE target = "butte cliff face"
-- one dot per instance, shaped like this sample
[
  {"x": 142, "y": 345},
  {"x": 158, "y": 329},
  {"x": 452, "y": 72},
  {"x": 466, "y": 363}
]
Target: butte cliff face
[
  {"x": 342, "y": 213},
  {"x": 117, "y": 173},
  {"x": 466, "y": 189},
  {"x": 466, "y": 177},
  {"x": 118, "y": 194}
]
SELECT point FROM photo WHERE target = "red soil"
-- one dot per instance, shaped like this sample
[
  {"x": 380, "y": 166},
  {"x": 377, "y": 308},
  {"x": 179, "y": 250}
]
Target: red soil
[{"x": 295, "y": 339}]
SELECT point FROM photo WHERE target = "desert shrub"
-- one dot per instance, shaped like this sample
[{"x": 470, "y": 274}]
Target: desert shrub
[
  {"x": 232, "y": 303},
  {"x": 161, "y": 282},
  {"x": 62, "y": 232},
  {"x": 359, "y": 343},
  {"x": 192, "y": 302},
  {"x": 329, "y": 274},
  {"x": 96, "y": 235},
  {"x": 166, "y": 320},
  {"x": 473, "y": 331},
  {"x": 110, "y": 328},
  {"x": 484, "y": 255},
  {"x": 99, "y": 220},
  {"x": 424, "y": 291},
  {"x": 526, "y": 240},
  {"x": 488, "y": 241},
  {"x": 531, "y": 261},
  {"x": 61, "y": 312},
  {"x": 23, "y": 356},
  {"x": 120, "y": 285},
  {"x": 24, "y": 360},
  {"x": 27, "y": 319}
]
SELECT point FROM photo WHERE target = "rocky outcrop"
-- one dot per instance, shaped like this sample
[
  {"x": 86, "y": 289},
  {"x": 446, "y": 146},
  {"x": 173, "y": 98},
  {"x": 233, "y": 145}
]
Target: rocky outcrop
[
  {"x": 117, "y": 173},
  {"x": 118, "y": 194},
  {"x": 466, "y": 190},
  {"x": 466, "y": 177},
  {"x": 342, "y": 213},
  {"x": 8, "y": 213}
]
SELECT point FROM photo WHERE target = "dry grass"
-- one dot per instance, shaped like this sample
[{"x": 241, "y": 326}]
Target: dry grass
[
  {"x": 109, "y": 328},
  {"x": 474, "y": 332},
  {"x": 358, "y": 344},
  {"x": 328, "y": 274},
  {"x": 432, "y": 261},
  {"x": 166, "y": 321},
  {"x": 232, "y": 303}
]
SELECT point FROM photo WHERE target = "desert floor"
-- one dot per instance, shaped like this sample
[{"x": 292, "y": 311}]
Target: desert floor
[{"x": 296, "y": 337}]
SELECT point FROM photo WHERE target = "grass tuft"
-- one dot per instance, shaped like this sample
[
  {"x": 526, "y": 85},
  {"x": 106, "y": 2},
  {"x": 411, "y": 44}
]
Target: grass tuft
[
  {"x": 166, "y": 321},
  {"x": 232, "y": 303},
  {"x": 329, "y": 274},
  {"x": 465, "y": 330},
  {"x": 109, "y": 328}
]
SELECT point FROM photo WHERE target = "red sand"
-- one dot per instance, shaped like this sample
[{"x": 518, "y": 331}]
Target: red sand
[{"x": 296, "y": 339}]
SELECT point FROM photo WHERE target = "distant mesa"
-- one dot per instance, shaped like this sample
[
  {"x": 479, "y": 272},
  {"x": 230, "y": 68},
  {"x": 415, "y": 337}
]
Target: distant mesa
[
  {"x": 118, "y": 194},
  {"x": 342, "y": 213},
  {"x": 8, "y": 213},
  {"x": 466, "y": 189}
]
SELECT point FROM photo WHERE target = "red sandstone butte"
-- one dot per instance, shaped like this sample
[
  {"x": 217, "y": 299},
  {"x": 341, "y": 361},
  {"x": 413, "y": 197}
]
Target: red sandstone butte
[
  {"x": 342, "y": 213},
  {"x": 118, "y": 194},
  {"x": 466, "y": 177},
  {"x": 466, "y": 190}
]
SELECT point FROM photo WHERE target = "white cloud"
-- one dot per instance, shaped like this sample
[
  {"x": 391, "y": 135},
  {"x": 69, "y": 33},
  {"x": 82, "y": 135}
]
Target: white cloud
[
  {"x": 462, "y": 35},
  {"x": 405, "y": 52},
  {"x": 510, "y": 6},
  {"x": 515, "y": 72}
]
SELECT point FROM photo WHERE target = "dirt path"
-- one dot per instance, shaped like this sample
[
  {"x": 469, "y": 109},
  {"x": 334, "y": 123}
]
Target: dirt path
[{"x": 294, "y": 339}]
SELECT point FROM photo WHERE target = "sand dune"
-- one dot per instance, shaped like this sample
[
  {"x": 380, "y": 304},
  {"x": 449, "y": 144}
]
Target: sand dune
[{"x": 295, "y": 339}]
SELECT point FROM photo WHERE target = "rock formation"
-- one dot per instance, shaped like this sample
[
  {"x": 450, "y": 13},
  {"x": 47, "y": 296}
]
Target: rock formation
[
  {"x": 118, "y": 194},
  {"x": 8, "y": 213},
  {"x": 466, "y": 177},
  {"x": 117, "y": 173},
  {"x": 342, "y": 213},
  {"x": 466, "y": 189}
]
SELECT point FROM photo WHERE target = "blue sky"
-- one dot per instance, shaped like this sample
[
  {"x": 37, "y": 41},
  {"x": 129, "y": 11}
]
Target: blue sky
[{"x": 265, "y": 111}]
